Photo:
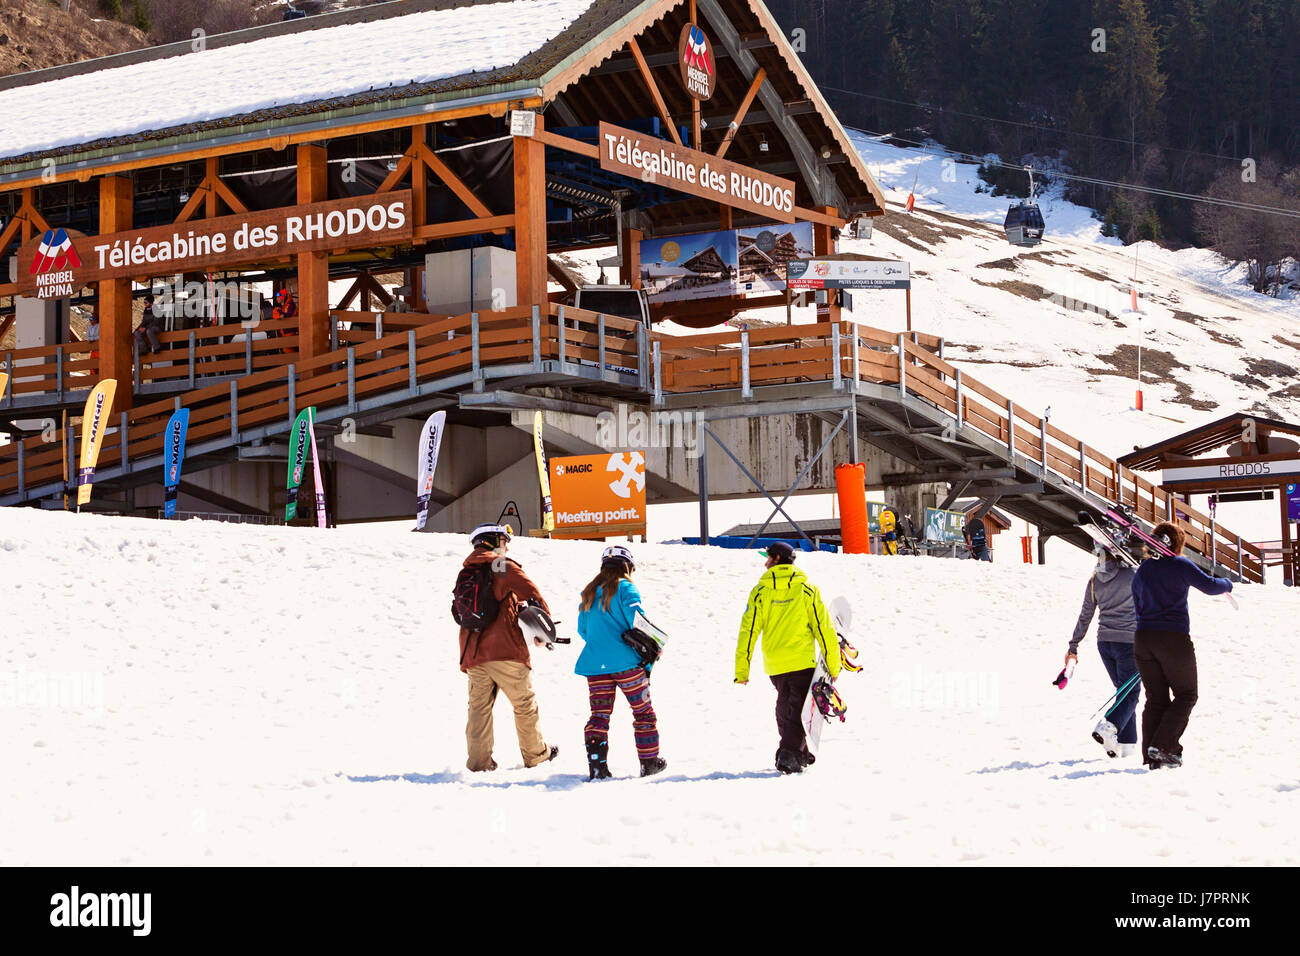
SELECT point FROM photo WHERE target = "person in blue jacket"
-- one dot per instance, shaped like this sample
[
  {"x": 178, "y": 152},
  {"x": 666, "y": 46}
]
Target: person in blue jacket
[
  {"x": 608, "y": 609},
  {"x": 1162, "y": 644}
]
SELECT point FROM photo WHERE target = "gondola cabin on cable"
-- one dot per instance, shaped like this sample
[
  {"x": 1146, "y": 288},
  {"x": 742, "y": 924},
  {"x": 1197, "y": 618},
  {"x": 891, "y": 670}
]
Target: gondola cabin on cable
[{"x": 1024, "y": 223}]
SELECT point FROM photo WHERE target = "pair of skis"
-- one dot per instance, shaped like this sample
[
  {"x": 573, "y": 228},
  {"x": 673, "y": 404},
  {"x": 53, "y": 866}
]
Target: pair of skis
[{"x": 1118, "y": 530}]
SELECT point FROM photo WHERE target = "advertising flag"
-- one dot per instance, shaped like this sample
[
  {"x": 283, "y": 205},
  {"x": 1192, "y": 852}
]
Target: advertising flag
[
  {"x": 430, "y": 443},
  {"x": 173, "y": 457},
  {"x": 297, "y": 461},
  {"x": 94, "y": 419},
  {"x": 548, "y": 514},
  {"x": 315, "y": 464}
]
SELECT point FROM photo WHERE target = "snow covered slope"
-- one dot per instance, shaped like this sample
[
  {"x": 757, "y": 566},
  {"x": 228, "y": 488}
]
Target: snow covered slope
[{"x": 210, "y": 694}]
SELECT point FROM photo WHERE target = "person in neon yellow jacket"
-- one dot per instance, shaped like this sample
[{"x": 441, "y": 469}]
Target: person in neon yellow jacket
[{"x": 786, "y": 613}]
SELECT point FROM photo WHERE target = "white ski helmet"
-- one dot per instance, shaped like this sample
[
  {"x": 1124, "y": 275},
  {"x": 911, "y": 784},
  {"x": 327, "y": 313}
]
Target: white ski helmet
[
  {"x": 616, "y": 552},
  {"x": 497, "y": 532}
]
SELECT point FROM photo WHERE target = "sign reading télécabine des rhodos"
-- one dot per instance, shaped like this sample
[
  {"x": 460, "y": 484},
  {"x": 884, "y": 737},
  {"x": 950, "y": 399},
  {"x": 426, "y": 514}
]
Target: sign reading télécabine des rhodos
[
  {"x": 686, "y": 170},
  {"x": 58, "y": 264}
]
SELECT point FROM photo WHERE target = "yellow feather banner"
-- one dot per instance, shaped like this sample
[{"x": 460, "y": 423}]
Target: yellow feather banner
[{"x": 99, "y": 406}]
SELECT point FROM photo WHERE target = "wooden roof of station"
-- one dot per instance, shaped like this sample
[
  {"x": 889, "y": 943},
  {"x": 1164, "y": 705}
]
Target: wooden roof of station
[
  {"x": 584, "y": 73},
  {"x": 1206, "y": 438}
]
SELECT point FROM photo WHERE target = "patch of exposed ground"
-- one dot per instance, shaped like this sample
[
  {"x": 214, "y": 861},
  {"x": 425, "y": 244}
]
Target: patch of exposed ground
[
  {"x": 1290, "y": 343},
  {"x": 1124, "y": 361},
  {"x": 1011, "y": 263},
  {"x": 1026, "y": 290},
  {"x": 1270, "y": 368},
  {"x": 919, "y": 231},
  {"x": 1200, "y": 322}
]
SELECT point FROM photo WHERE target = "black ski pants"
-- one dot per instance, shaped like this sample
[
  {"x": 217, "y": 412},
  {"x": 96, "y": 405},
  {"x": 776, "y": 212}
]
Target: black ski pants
[
  {"x": 791, "y": 692},
  {"x": 1167, "y": 662}
]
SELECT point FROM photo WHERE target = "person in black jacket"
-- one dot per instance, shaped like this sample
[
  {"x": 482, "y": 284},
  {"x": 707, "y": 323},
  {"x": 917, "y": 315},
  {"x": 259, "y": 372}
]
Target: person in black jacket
[
  {"x": 977, "y": 539},
  {"x": 1162, "y": 645}
]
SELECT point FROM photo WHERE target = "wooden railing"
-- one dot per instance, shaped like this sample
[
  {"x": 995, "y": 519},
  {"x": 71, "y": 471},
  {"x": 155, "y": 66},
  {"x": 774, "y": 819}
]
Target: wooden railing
[
  {"x": 188, "y": 356},
  {"x": 396, "y": 364},
  {"x": 50, "y": 368},
  {"x": 845, "y": 351}
]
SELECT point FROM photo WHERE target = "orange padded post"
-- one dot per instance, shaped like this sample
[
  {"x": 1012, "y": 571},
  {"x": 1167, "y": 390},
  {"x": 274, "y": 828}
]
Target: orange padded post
[{"x": 851, "y": 487}]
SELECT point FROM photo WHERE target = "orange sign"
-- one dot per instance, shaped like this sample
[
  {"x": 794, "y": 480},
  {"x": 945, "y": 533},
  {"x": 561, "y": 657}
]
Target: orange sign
[{"x": 598, "y": 495}]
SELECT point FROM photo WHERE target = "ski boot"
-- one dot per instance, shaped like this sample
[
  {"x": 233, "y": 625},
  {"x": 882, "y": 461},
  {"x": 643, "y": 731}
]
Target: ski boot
[
  {"x": 1157, "y": 758},
  {"x": 597, "y": 751},
  {"x": 1107, "y": 734},
  {"x": 789, "y": 761},
  {"x": 806, "y": 756},
  {"x": 653, "y": 765}
]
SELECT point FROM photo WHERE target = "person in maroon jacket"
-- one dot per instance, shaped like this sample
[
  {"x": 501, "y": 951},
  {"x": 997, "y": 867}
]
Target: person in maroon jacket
[{"x": 496, "y": 658}]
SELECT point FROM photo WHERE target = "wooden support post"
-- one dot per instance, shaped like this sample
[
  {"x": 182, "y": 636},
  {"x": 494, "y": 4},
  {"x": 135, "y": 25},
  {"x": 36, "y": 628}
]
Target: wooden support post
[
  {"x": 419, "y": 177},
  {"x": 210, "y": 181},
  {"x": 116, "y": 215},
  {"x": 630, "y": 272},
  {"x": 530, "y": 220},
  {"x": 724, "y": 218},
  {"x": 1288, "y": 559},
  {"x": 313, "y": 267},
  {"x": 824, "y": 245}
]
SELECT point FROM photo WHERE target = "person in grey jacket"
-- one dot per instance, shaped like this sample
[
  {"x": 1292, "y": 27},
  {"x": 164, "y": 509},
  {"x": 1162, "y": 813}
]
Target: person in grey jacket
[{"x": 1110, "y": 596}]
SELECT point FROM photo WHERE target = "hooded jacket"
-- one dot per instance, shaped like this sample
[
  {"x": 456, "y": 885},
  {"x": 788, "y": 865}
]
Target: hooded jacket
[
  {"x": 1109, "y": 591},
  {"x": 787, "y": 613},
  {"x": 502, "y": 640}
]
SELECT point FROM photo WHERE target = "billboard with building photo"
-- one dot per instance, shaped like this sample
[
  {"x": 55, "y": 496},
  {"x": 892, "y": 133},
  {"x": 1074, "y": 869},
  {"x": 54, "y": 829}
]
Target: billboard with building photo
[
  {"x": 700, "y": 266},
  {"x": 597, "y": 496},
  {"x": 764, "y": 251}
]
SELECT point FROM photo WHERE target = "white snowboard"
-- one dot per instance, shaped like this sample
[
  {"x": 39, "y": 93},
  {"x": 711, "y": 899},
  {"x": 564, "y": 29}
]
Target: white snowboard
[{"x": 842, "y": 617}]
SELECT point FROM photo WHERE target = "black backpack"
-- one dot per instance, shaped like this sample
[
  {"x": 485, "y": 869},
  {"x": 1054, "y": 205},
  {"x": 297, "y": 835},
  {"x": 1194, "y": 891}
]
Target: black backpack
[{"x": 473, "y": 603}]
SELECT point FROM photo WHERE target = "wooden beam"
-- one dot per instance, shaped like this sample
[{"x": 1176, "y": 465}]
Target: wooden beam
[
  {"x": 464, "y": 227},
  {"x": 590, "y": 150},
  {"x": 394, "y": 179},
  {"x": 228, "y": 196},
  {"x": 653, "y": 87},
  {"x": 352, "y": 292},
  {"x": 561, "y": 275},
  {"x": 830, "y": 217},
  {"x": 116, "y": 214},
  {"x": 530, "y": 220},
  {"x": 11, "y": 229},
  {"x": 739, "y": 118},
  {"x": 453, "y": 182},
  {"x": 211, "y": 207},
  {"x": 313, "y": 267},
  {"x": 277, "y": 141},
  {"x": 196, "y": 199},
  {"x": 419, "y": 177}
]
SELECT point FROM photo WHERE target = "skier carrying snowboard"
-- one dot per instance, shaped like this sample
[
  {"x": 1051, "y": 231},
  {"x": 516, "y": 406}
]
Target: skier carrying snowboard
[
  {"x": 786, "y": 611},
  {"x": 1162, "y": 645},
  {"x": 495, "y": 657},
  {"x": 608, "y": 611},
  {"x": 1110, "y": 595}
]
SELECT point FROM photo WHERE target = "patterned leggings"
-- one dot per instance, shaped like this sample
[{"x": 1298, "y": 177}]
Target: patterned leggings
[{"x": 635, "y": 685}]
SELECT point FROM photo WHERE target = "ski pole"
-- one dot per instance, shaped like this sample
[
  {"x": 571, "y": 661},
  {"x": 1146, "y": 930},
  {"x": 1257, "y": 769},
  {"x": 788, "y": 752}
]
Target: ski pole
[
  {"x": 1130, "y": 686},
  {"x": 1127, "y": 684}
]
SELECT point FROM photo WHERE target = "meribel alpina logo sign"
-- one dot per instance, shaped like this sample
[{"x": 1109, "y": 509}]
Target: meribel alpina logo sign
[
  {"x": 695, "y": 57},
  {"x": 57, "y": 268},
  {"x": 53, "y": 263}
]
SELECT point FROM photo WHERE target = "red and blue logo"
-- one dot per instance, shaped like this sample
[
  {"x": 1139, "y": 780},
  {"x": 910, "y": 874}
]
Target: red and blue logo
[
  {"x": 697, "y": 51},
  {"x": 55, "y": 254}
]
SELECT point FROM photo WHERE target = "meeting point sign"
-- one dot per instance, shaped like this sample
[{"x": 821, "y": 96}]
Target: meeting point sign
[{"x": 59, "y": 263}]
